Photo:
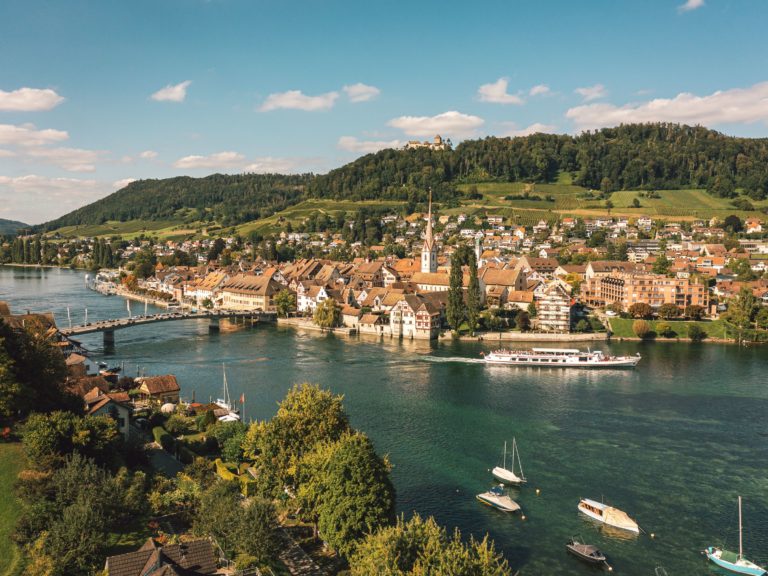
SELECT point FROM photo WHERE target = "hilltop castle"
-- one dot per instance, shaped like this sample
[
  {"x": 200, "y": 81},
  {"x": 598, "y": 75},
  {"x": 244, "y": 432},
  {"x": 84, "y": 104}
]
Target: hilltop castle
[{"x": 437, "y": 144}]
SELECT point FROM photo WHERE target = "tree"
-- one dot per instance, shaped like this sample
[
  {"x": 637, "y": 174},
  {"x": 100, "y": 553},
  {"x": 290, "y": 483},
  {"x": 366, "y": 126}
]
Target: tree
[
  {"x": 696, "y": 333},
  {"x": 240, "y": 527},
  {"x": 454, "y": 310},
  {"x": 582, "y": 326},
  {"x": 761, "y": 320},
  {"x": 285, "y": 302},
  {"x": 743, "y": 270},
  {"x": 742, "y": 308},
  {"x": 662, "y": 264},
  {"x": 694, "y": 312},
  {"x": 327, "y": 314},
  {"x": 144, "y": 263},
  {"x": 307, "y": 416},
  {"x": 357, "y": 496},
  {"x": 216, "y": 249},
  {"x": 532, "y": 310},
  {"x": 421, "y": 547},
  {"x": 669, "y": 311},
  {"x": 733, "y": 224},
  {"x": 473, "y": 292},
  {"x": 640, "y": 310},
  {"x": 641, "y": 328},
  {"x": 635, "y": 202},
  {"x": 523, "y": 321}
]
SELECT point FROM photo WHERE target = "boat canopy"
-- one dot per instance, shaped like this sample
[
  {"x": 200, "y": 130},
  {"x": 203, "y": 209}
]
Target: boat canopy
[
  {"x": 595, "y": 504},
  {"x": 557, "y": 350}
]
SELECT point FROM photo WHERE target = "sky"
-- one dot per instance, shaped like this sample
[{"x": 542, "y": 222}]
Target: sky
[{"x": 95, "y": 94}]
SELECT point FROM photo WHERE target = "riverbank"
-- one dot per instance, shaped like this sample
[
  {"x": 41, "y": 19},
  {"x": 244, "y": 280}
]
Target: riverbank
[{"x": 306, "y": 324}]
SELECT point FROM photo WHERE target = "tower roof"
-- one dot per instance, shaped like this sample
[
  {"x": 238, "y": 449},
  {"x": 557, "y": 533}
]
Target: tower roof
[{"x": 429, "y": 241}]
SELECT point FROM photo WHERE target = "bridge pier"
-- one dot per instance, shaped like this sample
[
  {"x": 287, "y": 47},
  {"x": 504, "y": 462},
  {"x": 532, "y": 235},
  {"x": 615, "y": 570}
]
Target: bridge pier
[
  {"x": 109, "y": 339},
  {"x": 213, "y": 326}
]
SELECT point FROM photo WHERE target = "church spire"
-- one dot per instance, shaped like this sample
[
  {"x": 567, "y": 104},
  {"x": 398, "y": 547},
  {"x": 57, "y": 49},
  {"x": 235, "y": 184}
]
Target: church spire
[
  {"x": 429, "y": 251},
  {"x": 428, "y": 240}
]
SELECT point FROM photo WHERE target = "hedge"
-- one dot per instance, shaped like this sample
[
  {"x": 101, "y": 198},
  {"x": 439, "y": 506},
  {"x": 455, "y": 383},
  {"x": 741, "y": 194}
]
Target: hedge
[{"x": 163, "y": 438}]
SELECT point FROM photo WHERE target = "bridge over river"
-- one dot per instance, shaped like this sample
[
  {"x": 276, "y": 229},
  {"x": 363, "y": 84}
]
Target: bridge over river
[{"x": 108, "y": 327}]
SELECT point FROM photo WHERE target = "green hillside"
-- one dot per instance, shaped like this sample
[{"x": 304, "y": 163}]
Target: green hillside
[
  {"x": 690, "y": 172},
  {"x": 11, "y": 226}
]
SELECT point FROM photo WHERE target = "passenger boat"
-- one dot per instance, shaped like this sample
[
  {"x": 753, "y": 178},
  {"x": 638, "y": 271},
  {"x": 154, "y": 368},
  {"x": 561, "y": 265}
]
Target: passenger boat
[
  {"x": 586, "y": 552},
  {"x": 732, "y": 561},
  {"x": 508, "y": 476},
  {"x": 496, "y": 498},
  {"x": 560, "y": 358},
  {"x": 608, "y": 515}
]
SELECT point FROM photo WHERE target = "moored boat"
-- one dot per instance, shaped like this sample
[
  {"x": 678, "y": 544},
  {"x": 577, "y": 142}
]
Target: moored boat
[
  {"x": 587, "y": 552},
  {"x": 608, "y": 515},
  {"x": 560, "y": 358},
  {"x": 231, "y": 414},
  {"x": 496, "y": 498},
  {"x": 508, "y": 476},
  {"x": 730, "y": 560}
]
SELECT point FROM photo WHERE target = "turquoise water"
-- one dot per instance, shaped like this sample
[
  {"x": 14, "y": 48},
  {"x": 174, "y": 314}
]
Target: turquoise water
[{"x": 672, "y": 443}]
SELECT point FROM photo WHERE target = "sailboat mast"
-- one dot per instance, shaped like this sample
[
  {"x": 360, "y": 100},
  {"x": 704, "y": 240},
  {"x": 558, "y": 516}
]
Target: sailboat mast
[
  {"x": 504, "y": 457},
  {"x": 740, "y": 544},
  {"x": 226, "y": 388},
  {"x": 519, "y": 462}
]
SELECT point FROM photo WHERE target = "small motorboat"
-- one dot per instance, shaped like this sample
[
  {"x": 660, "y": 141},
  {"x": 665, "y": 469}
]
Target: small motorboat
[
  {"x": 608, "y": 515},
  {"x": 586, "y": 552},
  {"x": 496, "y": 498}
]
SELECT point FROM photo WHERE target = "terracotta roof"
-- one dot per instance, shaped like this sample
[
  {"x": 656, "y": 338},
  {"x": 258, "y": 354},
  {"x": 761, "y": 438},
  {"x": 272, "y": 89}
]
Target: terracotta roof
[
  {"x": 4, "y": 309},
  {"x": 82, "y": 386},
  {"x": 74, "y": 359},
  {"x": 159, "y": 384},
  {"x": 192, "y": 558},
  {"x": 248, "y": 284}
]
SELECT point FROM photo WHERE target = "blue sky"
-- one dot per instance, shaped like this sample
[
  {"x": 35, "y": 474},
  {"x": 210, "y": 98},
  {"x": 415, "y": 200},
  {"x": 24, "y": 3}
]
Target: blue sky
[{"x": 95, "y": 93}]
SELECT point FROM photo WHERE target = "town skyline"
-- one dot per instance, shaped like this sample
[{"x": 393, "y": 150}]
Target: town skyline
[{"x": 101, "y": 94}]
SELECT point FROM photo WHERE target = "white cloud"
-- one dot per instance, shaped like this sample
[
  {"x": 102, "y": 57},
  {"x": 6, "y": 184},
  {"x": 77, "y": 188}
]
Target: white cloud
[
  {"x": 540, "y": 90},
  {"x": 735, "y": 106},
  {"x": 270, "y": 165},
  {"x": 29, "y": 100},
  {"x": 496, "y": 92},
  {"x": 296, "y": 100},
  {"x": 352, "y": 144},
  {"x": 28, "y": 135},
  {"x": 217, "y": 161},
  {"x": 534, "y": 128},
  {"x": 172, "y": 92},
  {"x": 452, "y": 124},
  {"x": 148, "y": 154},
  {"x": 690, "y": 5},
  {"x": 118, "y": 184},
  {"x": 7, "y": 153},
  {"x": 590, "y": 93},
  {"x": 70, "y": 159},
  {"x": 361, "y": 92},
  {"x": 36, "y": 199}
]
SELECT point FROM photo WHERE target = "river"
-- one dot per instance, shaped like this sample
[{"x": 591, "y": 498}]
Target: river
[{"x": 673, "y": 442}]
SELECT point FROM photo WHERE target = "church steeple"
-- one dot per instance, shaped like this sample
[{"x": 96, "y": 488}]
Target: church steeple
[{"x": 429, "y": 251}]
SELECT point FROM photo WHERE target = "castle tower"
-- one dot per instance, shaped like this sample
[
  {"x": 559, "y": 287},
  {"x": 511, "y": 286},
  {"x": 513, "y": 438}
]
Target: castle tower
[{"x": 429, "y": 251}]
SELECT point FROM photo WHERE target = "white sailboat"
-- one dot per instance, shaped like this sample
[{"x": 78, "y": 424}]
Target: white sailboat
[
  {"x": 226, "y": 402},
  {"x": 508, "y": 476},
  {"x": 734, "y": 562}
]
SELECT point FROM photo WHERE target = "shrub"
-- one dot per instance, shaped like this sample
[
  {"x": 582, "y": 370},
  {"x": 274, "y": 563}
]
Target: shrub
[
  {"x": 641, "y": 328},
  {"x": 665, "y": 330},
  {"x": 695, "y": 312},
  {"x": 696, "y": 333},
  {"x": 668, "y": 311},
  {"x": 179, "y": 424},
  {"x": 163, "y": 438},
  {"x": 582, "y": 326}
]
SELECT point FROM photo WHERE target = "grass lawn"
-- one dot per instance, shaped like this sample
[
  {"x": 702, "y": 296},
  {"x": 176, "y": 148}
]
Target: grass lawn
[
  {"x": 11, "y": 463},
  {"x": 622, "y": 328}
]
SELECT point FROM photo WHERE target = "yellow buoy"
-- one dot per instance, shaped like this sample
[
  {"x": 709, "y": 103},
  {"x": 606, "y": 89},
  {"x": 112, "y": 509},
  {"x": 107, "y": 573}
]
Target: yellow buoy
[
  {"x": 538, "y": 491},
  {"x": 522, "y": 517}
]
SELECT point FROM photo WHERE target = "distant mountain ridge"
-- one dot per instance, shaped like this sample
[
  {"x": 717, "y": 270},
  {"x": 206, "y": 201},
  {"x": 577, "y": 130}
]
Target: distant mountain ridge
[
  {"x": 10, "y": 227},
  {"x": 628, "y": 157}
]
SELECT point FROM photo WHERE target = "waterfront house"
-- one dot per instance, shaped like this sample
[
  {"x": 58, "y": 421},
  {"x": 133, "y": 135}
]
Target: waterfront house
[
  {"x": 250, "y": 293},
  {"x": 553, "y": 307},
  {"x": 113, "y": 405},
  {"x": 415, "y": 316},
  {"x": 189, "y": 558},
  {"x": 159, "y": 389}
]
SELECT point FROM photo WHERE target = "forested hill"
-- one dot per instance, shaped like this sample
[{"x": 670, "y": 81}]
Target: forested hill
[
  {"x": 227, "y": 199},
  {"x": 635, "y": 156},
  {"x": 10, "y": 227}
]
